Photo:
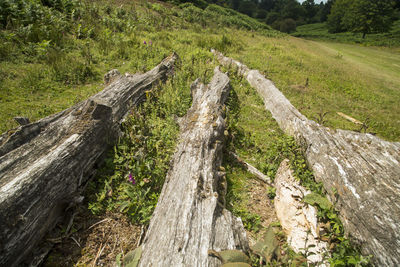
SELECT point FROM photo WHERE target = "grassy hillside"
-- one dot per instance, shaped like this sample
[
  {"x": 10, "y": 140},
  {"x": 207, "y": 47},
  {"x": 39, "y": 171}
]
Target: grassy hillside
[
  {"x": 359, "y": 81},
  {"x": 46, "y": 69},
  {"x": 319, "y": 31}
]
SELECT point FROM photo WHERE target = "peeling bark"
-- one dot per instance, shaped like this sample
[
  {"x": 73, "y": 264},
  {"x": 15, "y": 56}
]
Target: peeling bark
[
  {"x": 363, "y": 169},
  {"x": 43, "y": 164},
  {"x": 190, "y": 217},
  {"x": 298, "y": 219}
]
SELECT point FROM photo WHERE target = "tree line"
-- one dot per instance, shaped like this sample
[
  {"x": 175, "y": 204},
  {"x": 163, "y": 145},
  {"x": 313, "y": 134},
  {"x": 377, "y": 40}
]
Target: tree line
[{"x": 364, "y": 16}]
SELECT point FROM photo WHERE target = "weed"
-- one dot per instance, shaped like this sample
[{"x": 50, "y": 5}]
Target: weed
[
  {"x": 320, "y": 119},
  {"x": 271, "y": 192},
  {"x": 140, "y": 162},
  {"x": 55, "y": 53}
]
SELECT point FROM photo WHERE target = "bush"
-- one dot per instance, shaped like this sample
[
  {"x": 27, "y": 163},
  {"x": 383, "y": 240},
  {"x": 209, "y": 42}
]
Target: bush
[{"x": 287, "y": 25}]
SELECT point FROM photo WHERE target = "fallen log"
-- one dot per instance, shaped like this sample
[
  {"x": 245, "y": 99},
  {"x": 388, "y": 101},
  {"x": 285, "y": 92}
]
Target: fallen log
[
  {"x": 298, "y": 219},
  {"x": 190, "y": 218},
  {"x": 360, "y": 172},
  {"x": 43, "y": 164}
]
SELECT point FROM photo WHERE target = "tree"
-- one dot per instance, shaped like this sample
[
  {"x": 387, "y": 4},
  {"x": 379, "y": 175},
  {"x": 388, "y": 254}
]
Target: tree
[
  {"x": 247, "y": 7},
  {"x": 267, "y": 4},
  {"x": 335, "y": 18},
  {"x": 324, "y": 12},
  {"x": 292, "y": 9},
  {"x": 288, "y": 25},
  {"x": 311, "y": 10},
  {"x": 368, "y": 16}
]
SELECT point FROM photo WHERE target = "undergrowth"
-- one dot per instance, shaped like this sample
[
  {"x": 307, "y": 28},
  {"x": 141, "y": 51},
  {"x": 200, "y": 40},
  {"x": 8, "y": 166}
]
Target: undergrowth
[
  {"x": 134, "y": 174},
  {"x": 256, "y": 137},
  {"x": 52, "y": 55}
]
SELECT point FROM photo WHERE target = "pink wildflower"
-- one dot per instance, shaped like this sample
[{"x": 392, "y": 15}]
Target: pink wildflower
[{"x": 131, "y": 179}]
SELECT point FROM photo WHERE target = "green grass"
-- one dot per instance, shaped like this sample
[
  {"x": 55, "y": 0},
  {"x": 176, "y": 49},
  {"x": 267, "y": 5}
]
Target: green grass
[
  {"x": 41, "y": 77},
  {"x": 256, "y": 137},
  {"x": 38, "y": 78},
  {"x": 319, "y": 31},
  {"x": 359, "y": 81}
]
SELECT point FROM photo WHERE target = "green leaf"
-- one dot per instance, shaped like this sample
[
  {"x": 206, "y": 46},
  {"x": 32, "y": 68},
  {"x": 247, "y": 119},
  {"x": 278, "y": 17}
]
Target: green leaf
[
  {"x": 118, "y": 260},
  {"x": 268, "y": 246},
  {"x": 317, "y": 199},
  {"x": 133, "y": 257}
]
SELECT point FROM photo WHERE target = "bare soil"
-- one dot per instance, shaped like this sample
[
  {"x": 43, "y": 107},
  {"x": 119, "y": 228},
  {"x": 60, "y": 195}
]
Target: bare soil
[
  {"x": 95, "y": 240},
  {"x": 260, "y": 204}
]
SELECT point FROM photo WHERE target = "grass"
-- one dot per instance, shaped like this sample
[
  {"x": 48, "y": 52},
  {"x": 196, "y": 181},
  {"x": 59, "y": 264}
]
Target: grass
[
  {"x": 362, "y": 82},
  {"x": 42, "y": 76},
  {"x": 256, "y": 137},
  {"x": 319, "y": 31}
]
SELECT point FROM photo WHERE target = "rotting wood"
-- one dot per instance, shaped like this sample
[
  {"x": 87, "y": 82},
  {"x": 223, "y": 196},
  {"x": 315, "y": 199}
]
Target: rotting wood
[
  {"x": 253, "y": 170},
  {"x": 44, "y": 164},
  {"x": 360, "y": 172},
  {"x": 190, "y": 217},
  {"x": 298, "y": 219}
]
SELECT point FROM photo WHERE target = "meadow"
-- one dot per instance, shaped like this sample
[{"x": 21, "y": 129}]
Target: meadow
[
  {"x": 44, "y": 70},
  {"x": 319, "y": 31}
]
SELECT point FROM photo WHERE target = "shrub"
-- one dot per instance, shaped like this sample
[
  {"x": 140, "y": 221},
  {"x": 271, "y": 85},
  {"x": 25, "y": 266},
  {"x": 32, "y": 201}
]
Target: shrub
[{"x": 288, "y": 25}]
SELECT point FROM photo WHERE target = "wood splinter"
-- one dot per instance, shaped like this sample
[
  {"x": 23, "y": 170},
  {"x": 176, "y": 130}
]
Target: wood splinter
[
  {"x": 253, "y": 170},
  {"x": 347, "y": 117}
]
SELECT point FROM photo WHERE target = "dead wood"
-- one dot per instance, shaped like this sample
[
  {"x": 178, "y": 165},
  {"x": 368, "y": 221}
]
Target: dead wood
[
  {"x": 361, "y": 172},
  {"x": 347, "y": 117},
  {"x": 190, "y": 217},
  {"x": 253, "y": 170},
  {"x": 43, "y": 164}
]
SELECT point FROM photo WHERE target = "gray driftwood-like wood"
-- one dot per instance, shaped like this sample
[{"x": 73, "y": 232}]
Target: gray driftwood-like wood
[
  {"x": 190, "y": 217},
  {"x": 363, "y": 169},
  {"x": 253, "y": 170},
  {"x": 43, "y": 164}
]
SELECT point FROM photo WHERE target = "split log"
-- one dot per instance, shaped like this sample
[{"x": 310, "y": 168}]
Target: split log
[
  {"x": 361, "y": 172},
  {"x": 190, "y": 217},
  {"x": 298, "y": 219},
  {"x": 43, "y": 164}
]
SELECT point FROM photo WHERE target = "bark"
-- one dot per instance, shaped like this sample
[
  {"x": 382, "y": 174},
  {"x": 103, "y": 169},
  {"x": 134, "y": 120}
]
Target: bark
[
  {"x": 190, "y": 217},
  {"x": 359, "y": 171},
  {"x": 44, "y": 164},
  {"x": 298, "y": 219}
]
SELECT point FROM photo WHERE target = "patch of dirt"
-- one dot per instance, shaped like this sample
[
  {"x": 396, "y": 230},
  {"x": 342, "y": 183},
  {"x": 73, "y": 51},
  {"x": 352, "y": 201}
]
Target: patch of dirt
[
  {"x": 95, "y": 240},
  {"x": 260, "y": 204}
]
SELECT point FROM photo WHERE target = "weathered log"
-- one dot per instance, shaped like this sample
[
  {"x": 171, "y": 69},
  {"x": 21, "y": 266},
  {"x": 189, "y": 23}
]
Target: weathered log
[
  {"x": 298, "y": 219},
  {"x": 43, "y": 164},
  {"x": 361, "y": 172},
  {"x": 190, "y": 217}
]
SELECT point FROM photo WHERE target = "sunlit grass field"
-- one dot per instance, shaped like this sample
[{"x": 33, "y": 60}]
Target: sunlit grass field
[
  {"x": 362, "y": 82},
  {"x": 319, "y": 31},
  {"x": 39, "y": 77}
]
